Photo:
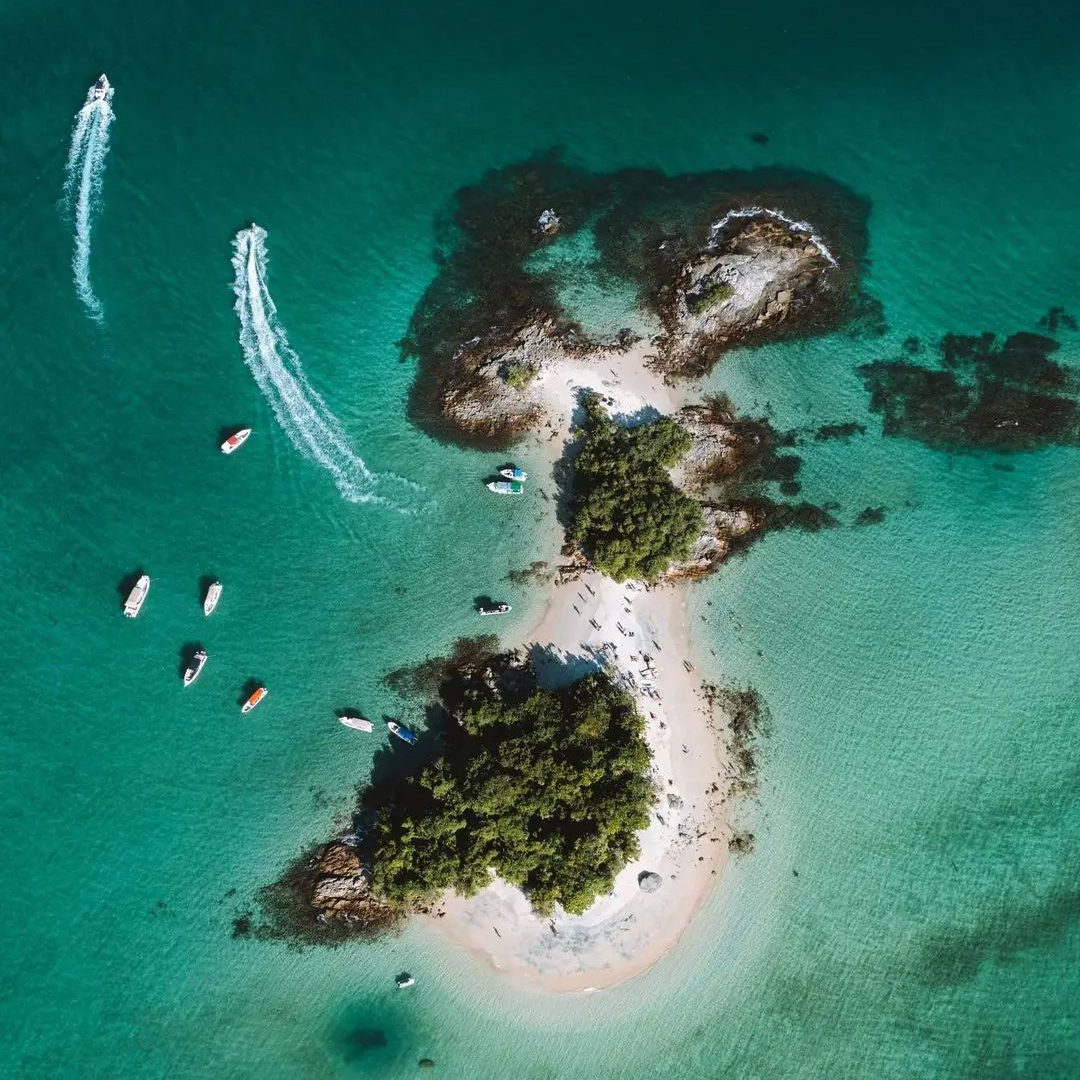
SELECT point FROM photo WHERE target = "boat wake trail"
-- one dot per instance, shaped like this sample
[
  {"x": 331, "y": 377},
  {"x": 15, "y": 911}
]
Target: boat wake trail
[
  {"x": 82, "y": 183},
  {"x": 299, "y": 409},
  {"x": 760, "y": 211}
]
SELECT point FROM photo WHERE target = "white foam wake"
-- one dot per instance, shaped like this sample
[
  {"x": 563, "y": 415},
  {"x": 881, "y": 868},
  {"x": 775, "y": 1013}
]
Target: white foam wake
[
  {"x": 299, "y": 409},
  {"x": 760, "y": 211},
  {"x": 82, "y": 186}
]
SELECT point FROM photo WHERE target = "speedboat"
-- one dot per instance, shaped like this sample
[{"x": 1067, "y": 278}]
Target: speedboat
[
  {"x": 213, "y": 595},
  {"x": 133, "y": 604},
  {"x": 257, "y": 695},
  {"x": 235, "y": 441},
  {"x": 403, "y": 733},
  {"x": 100, "y": 90},
  {"x": 357, "y": 723},
  {"x": 493, "y": 609},
  {"x": 514, "y": 473},
  {"x": 191, "y": 672},
  {"x": 404, "y": 979},
  {"x": 506, "y": 487}
]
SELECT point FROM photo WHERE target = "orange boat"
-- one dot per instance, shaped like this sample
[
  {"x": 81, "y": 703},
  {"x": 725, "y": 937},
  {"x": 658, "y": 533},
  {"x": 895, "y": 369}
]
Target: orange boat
[{"x": 254, "y": 700}]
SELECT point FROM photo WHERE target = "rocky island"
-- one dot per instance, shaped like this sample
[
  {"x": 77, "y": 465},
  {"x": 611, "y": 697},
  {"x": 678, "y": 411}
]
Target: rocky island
[{"x": 575, "y": 806}]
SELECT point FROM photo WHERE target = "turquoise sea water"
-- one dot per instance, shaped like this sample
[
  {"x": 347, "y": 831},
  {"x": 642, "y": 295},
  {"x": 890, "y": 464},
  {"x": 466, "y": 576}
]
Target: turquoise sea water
[{"x": 921, "y": 674}]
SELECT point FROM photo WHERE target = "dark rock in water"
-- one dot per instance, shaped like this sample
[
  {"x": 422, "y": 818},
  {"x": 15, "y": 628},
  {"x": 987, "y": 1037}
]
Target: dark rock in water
[
  {"x": 1055, "y": 317},
  {"x": 759, "y": 137},
  {"x": 741, "y": 843},
  {"x": 838, "y": 431},
  {"x": 242, "y": 925},
  {"x": 982, "y": 395},
  {"x": 649, "y": 881},
  {"x": 872, "y": 515},
  {"x": 912, "y": 345},
  {"x": 426, "y": 1063}
]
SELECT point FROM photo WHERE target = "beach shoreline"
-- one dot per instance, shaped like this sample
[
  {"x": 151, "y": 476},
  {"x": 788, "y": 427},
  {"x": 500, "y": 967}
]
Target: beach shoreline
[{"x": 641, "y": 634}]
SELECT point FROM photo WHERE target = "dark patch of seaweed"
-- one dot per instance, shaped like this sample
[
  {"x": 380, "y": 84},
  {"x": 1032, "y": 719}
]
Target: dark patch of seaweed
[{"x": 982, "y": 395}]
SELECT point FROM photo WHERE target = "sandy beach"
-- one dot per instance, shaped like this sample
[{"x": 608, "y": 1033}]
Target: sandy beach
[{"x": 642, "y": 636}]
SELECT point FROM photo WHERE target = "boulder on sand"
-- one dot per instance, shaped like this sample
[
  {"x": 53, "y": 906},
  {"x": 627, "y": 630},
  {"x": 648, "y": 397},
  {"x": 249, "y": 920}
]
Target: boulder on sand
[{"x": 649, "y": 881}]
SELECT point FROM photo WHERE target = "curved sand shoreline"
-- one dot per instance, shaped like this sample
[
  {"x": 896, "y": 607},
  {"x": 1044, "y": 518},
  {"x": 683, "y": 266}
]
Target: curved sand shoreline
[{"x": 589, "y": 621}]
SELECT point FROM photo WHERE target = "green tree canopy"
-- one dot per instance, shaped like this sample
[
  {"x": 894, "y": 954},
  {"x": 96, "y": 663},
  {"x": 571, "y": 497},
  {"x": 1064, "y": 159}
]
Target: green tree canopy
[
  {"x": 629, "y": 518},
  {"x": 550, "y": 791}
]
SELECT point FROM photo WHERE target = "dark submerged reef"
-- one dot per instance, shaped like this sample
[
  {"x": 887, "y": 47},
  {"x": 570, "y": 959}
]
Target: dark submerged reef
[
  {"x": 981, "y": 395},
  {"x": 749, "y": 721},
  {"x": 645, "y": 226}
]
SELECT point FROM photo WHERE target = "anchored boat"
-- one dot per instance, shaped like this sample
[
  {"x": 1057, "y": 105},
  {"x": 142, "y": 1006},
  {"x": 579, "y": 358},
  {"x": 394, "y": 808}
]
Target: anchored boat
[
  {"x": 133, "y": 604},
  {"x": 403, "y": 733},
  {"x": 191, "y": 672},
  {"x": 512, "y": 472},
  {"x": 213, "y": 595},
  {"x": 235, "y": 441},
  {"x": 506, "y": 487},
  {"x": 493, "y": 609},
  {"x": 357, "y": 723},
  {"x": 404, "y": 979},
  {"x": 258, "y": 694}
]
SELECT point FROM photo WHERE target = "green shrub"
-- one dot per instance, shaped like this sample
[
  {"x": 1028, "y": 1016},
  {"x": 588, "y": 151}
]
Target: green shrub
[
  {"x": 519, "y": 375},
  {"x": 628, "y": 516},
  {"x": 715, "y": 294}
]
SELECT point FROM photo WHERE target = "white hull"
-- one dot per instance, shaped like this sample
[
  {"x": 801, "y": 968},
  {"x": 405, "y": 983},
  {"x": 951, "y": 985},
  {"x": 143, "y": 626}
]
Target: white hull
[
  {"x": 357, "y": 723},
  {"x": 133, "y": 604},
  {"x": 234, "y": 442},
  {"x": 198, "y": 662},
  {"x": 213, "y": 595}
]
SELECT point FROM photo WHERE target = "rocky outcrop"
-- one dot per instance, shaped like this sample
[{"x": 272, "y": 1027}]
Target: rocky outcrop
[{"x": 762, "y": 276}]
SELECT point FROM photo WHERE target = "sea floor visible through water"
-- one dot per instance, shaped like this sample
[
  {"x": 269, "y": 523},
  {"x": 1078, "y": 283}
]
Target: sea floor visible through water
[{"x": 907, "y": 910}]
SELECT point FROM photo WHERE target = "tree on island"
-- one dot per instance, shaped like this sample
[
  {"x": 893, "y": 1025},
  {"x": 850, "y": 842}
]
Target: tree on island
[
  {"x": 629, "y": 518},
  {"x": 548, "y": 788}
]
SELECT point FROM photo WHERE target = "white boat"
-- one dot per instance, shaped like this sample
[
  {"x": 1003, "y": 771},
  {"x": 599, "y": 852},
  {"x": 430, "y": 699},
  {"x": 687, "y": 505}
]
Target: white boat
[
  {"x": 100, "y": 90},
  {"x": 404, "y": 979},
  {"x": 493, "y": 609},
  {"x": 235, "y": 441},
  {"x": 357, "y": 723},
  {"x": 133, "y": 604},
  {"x": 198, "y": 661},
  {"x": 514, "y": 473},
  {"x": 403, "y": 733},
  {"x": 506, "y": 487},
  {"x": 256, "y": 696},
  {"x": 213, "y": 595}
]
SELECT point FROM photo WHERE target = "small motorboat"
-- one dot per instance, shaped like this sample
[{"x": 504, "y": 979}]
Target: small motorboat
[
  {"x": 357, "y": 723},
  {"x": 493, "y": 609},
  {"x": 235, "y": 441},
  {"x": 403, "y": 733},
  {"x": 257, "y": 695},
  {"x": 101, "y": 89},
  {"x": 196, "y": 664},
  {"x": 133, "y": 604},
  {"x": 506, "y": 487},
  {"x": 404, "y": 979},
  {"x": 512, "y": 472},
  {"x": 213, "y": 595}
]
